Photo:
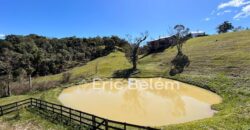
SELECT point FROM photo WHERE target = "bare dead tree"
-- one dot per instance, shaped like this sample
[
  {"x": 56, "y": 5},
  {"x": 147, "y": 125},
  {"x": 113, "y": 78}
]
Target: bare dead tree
[{"x": 132, "y": 52}]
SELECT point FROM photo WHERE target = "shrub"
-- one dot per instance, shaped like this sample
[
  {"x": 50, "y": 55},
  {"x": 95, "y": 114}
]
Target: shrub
[
  {"x": 179, "y": 63},
  {"x": 66, "y": 77}
]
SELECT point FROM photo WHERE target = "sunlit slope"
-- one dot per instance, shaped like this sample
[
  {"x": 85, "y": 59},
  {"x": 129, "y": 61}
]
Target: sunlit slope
[
  {"x": 101, "y": 67},
  {"x": 226, "y": 53},
  {"x": 218, "y": 54}
]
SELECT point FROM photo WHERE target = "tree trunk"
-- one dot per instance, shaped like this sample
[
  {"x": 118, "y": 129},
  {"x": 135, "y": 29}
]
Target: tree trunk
[
  {"x": 30, "y": 82},
  {"x": 134, "y": 65},
  {"x": 135, "y": 57},
  {"x": 179, "y": 48},
  {"x": 8, "y": 87}
]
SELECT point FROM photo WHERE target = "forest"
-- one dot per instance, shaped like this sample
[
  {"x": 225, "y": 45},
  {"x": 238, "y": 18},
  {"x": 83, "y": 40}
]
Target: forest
[
  {"x": 24, "y": 57},
  {"x": 40, "y": 56}
]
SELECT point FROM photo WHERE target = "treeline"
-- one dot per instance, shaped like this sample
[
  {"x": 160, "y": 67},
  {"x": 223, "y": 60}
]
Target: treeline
[{"x": 39, "y": 56}]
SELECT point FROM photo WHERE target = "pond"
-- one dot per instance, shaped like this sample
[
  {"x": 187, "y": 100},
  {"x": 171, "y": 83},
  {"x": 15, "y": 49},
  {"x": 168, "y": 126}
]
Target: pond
[{"x": 142, "y": 101}]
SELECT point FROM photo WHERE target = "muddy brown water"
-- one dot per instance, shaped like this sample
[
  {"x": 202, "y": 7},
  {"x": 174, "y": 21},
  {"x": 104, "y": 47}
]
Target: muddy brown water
[{"x": 147, "y": 102}]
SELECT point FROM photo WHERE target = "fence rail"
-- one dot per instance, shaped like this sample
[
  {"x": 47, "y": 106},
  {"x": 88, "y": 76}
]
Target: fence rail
[{"x": 77, "y": 117}]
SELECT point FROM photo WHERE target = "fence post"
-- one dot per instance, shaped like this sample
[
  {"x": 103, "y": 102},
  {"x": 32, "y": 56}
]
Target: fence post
[
  {"x": 70, "y": 115},
  {"x": 16, "y": 106},
  {"x": 106, "y": 125},
  {"x": 80, "y": 118},
  {"x": 93, "y": 122},
  {"x": 53, "y": 108},
  {"x": 31, "y": 102},
  {"x": 40, "y": 104},
  {"x": 125, "y": 126},
  {"x": 44, "y": 105},
  {"x": 1, "y": 109},
  {"x": 61, "y": 113}
]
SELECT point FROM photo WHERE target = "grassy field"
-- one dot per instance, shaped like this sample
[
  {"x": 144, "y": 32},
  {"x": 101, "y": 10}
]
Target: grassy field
[
  {"x": 101, "y": 67},
  {"x": 220, "y": 63},
  {"x": 27, "y": 120}
]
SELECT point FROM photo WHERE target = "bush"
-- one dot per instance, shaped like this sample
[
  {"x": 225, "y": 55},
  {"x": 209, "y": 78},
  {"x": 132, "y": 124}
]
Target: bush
[
  {"x": 66, "y": 77},
  {"x": 179, "y": 63}
]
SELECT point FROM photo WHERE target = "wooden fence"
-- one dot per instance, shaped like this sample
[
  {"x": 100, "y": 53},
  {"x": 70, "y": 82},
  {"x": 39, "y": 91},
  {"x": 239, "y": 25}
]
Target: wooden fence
[{"x": 74, "y": 116}]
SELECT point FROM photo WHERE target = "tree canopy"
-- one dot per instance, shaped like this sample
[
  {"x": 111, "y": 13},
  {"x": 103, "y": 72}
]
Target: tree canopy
[
  {"x": 40, "y": 56},
  {"x": 225, "y": 27}
]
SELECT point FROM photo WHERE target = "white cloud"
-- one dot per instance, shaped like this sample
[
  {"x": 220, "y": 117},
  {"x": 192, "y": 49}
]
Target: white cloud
[
  {"x": 2, "y": 36},
  {"x": 245, "y": 12},
  {"x": 242, "y": 5},
  {"x": 207, "y": 19},
  {"x": 227, "y": 11},
  {"x": 233, "y": 3},
  {"x": 224, "y": 12},
  {"x": 218, "y": 14}
]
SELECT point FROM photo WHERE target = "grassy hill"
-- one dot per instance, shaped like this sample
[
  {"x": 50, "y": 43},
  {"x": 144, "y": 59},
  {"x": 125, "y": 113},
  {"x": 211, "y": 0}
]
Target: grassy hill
[
  {"x": 220, "y": 63},
  {"x": 226, "y": 53},
  {"x": 101, "y": 67}
]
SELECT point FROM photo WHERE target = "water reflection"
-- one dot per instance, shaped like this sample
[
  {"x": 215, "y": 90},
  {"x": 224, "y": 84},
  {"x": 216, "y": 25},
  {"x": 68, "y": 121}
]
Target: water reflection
[
  {"x": 143, "y": 106},
  {"x": 133, "y": 102}
]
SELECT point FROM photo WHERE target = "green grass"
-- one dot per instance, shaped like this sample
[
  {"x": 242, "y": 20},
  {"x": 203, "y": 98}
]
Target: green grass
[
  {"x": 105, "y": 67},
  {"x": 220, "y": 63},
  {"x": 28, "y": 120},
  {"x": 226, "y": 53},
  {"x": 49, "y": 95}
]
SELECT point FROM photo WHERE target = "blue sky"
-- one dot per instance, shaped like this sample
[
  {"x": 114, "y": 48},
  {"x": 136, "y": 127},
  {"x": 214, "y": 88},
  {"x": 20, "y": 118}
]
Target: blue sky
[{"x": 89, "y": 18}]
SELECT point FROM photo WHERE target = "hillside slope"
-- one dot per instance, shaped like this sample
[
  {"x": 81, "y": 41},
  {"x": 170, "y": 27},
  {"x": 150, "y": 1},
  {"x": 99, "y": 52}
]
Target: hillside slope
[
  {"x": 219, "y": 54},
  {"x": 226, "y": 53},
  {"x": 100, "y": 67},
  {"x": 220, "y": 63}
]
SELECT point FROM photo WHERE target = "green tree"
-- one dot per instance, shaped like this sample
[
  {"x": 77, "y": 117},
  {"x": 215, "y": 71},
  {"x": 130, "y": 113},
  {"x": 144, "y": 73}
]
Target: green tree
[
  {"x": 181, "y": 35},
  {"x": 40, "y": 56},
  {"x": 225, "y": 27},
  {"x": 27, "y": 63},
  {"x": 13, "y": 39},
  {"x": 109, "y": 44},
  {"x": 180, "y": 61},
  {"x": 6, "y": 66}
]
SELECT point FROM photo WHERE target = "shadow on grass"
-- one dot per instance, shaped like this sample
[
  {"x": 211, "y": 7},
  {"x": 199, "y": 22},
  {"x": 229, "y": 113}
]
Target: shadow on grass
[
  {"x": 126, "y": 73},
  {"x": 145, "y": 55},
  {"x": 180, "y": 62}
]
